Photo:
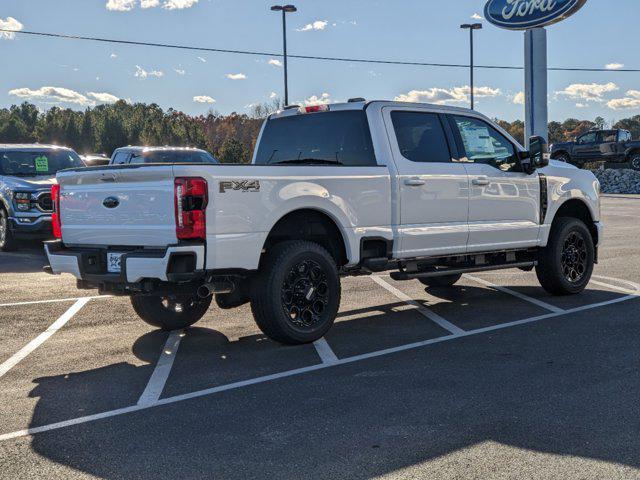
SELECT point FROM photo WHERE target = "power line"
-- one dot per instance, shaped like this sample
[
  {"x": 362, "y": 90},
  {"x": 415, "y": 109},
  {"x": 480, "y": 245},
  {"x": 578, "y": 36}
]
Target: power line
[{"x": 305, "y": 57}]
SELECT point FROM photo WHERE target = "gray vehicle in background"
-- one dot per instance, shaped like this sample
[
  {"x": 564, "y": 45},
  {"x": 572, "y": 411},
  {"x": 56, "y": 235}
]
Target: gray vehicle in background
[
  {"x": 132, "y": 155},
  {"x": 26, "y": 175}
]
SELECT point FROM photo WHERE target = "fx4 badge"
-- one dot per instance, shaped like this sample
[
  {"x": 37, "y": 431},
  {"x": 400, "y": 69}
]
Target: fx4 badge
[{"x": 240, "y": 185}]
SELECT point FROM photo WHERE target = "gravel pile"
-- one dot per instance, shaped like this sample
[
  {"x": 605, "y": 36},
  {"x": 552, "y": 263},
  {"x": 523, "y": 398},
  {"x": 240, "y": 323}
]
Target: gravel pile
[{"x": 619, "y": 180}]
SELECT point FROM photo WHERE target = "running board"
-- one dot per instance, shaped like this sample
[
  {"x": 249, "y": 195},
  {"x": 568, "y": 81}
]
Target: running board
[{"x": 459, "y": 271}]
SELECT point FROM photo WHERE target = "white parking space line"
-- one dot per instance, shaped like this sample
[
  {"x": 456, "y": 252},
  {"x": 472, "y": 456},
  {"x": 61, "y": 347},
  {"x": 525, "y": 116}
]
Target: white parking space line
[
  {"x": 299, "y": 371},
  {"x": 521, "y": 296},
  {"x": 55, "y": 300},
  {"x": 324, "y": 351},
  {"x": 450, "y": 327},
  {"x": 635, "y": 286},
  {"x": 43, "y": 337},
  {"x": 161, "y": 373}
]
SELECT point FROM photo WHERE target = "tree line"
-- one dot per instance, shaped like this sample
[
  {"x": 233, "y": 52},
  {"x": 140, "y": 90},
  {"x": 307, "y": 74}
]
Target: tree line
[
  {"x": 231, "y": 138},
  {"x": 104, "y": 128}
]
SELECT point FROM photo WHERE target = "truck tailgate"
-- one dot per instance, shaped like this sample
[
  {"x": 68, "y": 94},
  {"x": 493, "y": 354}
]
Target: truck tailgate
[{"x": 118, "y": 206}]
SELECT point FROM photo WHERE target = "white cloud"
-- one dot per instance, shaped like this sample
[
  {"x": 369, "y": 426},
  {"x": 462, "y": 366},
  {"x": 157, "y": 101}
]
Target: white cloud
[
  {"x": 477, "y": 16},
  {"x": 273, "y": 95},
  {"x": 318, "y": 100},
  {"x": 113, "y": 55},
  {"x": 203, "y": 99},
  {"x": 614, "y": 66},
  {"x": 142, "y": 73},
  {"x": 275, "y": 62},
  {"x": 317, "y": 25},
  {"x": 178, "y": 4},
  {"x": 591, "y": 92},
  {"x": 632, "y": 100},
  {"x": 121, "y": 5},
  {"x": 102, "y": 97},
  {"x": 63, "y": 95},
  {"x": 581, "y": 105},
  {"x": 9, "y": 24},
  {"x": 518, "y": 98},
  {"x": 236, "y": 76},
  {"x": 180, "y": 71},
  {"x": 128, "y": 5},
  {"x": 202, "y": 59},
  {"x": 440, "y": 96}
]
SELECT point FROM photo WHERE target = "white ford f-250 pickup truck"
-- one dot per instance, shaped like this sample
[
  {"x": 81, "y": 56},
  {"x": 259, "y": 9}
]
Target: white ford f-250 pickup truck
[{"x": 427, "y": 192}]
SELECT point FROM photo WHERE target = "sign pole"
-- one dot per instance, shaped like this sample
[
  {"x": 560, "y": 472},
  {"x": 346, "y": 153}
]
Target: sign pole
[{"x": 535, "y": 73}]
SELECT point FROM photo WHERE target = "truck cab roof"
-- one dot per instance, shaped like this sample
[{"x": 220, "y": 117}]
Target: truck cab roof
[{"x": 291, "y": 110}]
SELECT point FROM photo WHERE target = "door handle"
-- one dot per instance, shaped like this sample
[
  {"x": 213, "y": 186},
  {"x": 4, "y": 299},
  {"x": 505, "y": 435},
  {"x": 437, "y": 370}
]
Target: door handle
[
  {"x": 414, "y": 182},
  {"x": 107, "y": 178},
  {"x": 480, "y": 181}
]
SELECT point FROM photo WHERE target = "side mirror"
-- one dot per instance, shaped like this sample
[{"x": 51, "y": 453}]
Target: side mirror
[{"x": 537, "y": 156}]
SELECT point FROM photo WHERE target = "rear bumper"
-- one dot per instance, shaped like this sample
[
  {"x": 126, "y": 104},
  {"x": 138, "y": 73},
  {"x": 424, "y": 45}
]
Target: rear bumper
[{"x": 173, "y": 264}]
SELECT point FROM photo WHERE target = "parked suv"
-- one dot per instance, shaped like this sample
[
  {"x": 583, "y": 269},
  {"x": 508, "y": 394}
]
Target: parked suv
[
  {"x": 132, "y": 155},
  {"x": 26, "y": 175},
  {"x": 615, "y": 146}
]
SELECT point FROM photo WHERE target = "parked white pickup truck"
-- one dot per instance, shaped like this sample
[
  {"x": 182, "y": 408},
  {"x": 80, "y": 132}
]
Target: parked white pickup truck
[{"x": 427, "y": 192}]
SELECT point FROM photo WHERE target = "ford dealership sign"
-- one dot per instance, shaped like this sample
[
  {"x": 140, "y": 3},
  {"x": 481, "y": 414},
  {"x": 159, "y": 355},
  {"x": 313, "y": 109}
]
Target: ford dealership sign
[{"x": 525, "y": 14}]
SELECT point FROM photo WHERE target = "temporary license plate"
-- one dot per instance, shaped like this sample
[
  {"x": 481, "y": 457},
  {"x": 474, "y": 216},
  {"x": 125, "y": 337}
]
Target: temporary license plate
[{"x": 114, "y": 262}]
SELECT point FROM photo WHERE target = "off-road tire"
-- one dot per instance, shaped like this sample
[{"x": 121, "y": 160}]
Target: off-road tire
[
  {"x": 563, "y": 157},
  {"x": 566, "y": 264},
  {"x": 160, "y": 311},
  {"x": 447, "y": 281},
  {"x": 7, "y": 240},
  {"x": 296, "y": 296}
]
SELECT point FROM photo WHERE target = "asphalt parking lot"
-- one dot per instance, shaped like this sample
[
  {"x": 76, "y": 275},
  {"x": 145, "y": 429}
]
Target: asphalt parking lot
[{"x": 492, "y": 378}]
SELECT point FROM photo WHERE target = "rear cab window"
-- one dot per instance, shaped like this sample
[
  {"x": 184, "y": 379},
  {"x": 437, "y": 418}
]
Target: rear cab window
[
  {"x": 324, "y": 138},
  {"x": 39, "y": 162},
  {"x": 168, "y": 156}
]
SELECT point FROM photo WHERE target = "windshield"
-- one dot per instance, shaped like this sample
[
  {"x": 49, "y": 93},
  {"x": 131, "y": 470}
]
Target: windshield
[
  {"x": 341, "y": 137},
  {"x": 160, "y": 156},
  {"x": 43, "y": 162}
]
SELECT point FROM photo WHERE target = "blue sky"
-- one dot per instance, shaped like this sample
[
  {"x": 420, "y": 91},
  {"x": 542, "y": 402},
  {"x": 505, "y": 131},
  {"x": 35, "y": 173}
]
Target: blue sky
[{"x": 85, "y": 73}]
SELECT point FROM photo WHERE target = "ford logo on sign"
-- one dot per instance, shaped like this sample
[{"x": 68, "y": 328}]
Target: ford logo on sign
[{"x": 525, "y": 14}]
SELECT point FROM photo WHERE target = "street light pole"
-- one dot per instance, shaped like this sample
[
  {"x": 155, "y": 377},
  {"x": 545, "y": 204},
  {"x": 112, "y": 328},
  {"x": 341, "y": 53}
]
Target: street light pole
[
  {"x": 285, "y": 9},
  {"x": 471, "y": 27}
]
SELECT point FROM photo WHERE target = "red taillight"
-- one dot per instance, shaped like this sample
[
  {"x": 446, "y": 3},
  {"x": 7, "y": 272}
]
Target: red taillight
[
  {"x": 56, "y": 221},
  {"x": 191, "y": 198}
]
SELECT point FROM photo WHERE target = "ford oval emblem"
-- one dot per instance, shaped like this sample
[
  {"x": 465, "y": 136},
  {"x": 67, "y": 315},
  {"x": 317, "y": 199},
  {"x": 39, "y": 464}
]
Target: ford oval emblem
[
  {"x": 111, "y": 202},
  {"x": 525, "y": 14}
]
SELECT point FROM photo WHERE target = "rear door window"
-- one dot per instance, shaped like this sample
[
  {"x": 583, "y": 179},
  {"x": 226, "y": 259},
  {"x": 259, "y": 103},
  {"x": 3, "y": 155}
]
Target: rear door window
[
  {"x": 341, "y": 138},
  {"x": 421, "y": 137}
]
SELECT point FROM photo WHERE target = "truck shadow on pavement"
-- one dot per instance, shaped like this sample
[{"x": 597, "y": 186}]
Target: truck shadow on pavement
[
  {"x": 29, "y": 258},
  {"x": 567, "y": 388}
]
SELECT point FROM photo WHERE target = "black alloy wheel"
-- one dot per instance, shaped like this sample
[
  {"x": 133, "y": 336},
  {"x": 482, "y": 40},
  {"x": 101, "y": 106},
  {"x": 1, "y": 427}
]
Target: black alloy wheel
[
  {"x": 574, "y": 257},
  {"x": 305, "y": 294}
]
